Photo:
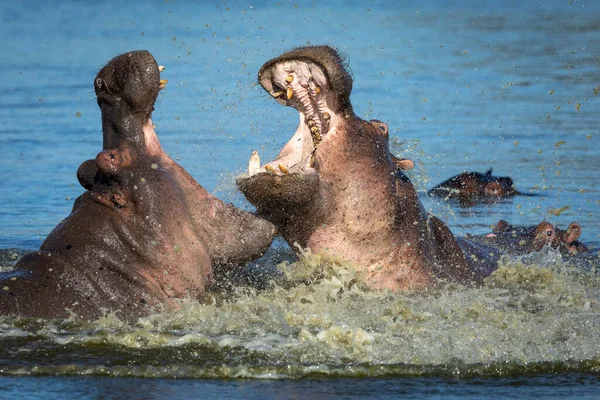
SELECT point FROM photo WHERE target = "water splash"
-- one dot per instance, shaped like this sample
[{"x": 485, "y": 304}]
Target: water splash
[{"x": 317, "y": 318}]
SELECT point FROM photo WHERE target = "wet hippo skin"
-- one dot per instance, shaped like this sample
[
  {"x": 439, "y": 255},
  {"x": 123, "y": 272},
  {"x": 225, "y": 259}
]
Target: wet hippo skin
[
  {"x": 144, "y": 233},
  {"x": 473, "y": 187},
  {"x": 518, "y": 239},
  {"x": 335, "y": 187}
]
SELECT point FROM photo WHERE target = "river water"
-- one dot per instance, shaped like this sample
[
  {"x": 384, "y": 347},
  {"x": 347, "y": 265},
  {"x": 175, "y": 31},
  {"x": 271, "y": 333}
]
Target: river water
[{"x": 511, "y": 86}]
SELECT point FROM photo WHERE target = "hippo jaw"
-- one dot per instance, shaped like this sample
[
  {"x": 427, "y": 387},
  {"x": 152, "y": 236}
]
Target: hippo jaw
[
  {"x": 315, "y": 82},
  {"x": 126, "y": 90},
  {"x": 304, "y": 86},
  {"x": 312, "y": 80}
]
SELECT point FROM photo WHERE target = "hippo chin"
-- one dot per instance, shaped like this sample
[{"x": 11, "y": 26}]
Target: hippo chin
[
  {"x": 144, "y": 232},
  {"x": 335, "y": 187}
]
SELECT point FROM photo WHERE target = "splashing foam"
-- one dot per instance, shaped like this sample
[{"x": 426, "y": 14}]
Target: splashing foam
[{"x": 318, "y": 318}]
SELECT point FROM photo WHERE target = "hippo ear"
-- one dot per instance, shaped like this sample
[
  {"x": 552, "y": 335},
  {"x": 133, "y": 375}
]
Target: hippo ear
[
  {"x": 501, "y": 226},
  {"x": 489, "y": 172},
  {"x": 86, "y": 173},
  {"x": 403, "y": 164},
  {"x": 573, "y": 233}
]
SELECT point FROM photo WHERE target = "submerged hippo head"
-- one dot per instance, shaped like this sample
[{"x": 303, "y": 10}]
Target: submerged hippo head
[
  {"x": 335, "y": 186},
  {"x": 474, "y": 187},
  {"x": 522, "y": 239},
  {"x": 518, "y": 239},
  {"x": 145, "y": 232}
]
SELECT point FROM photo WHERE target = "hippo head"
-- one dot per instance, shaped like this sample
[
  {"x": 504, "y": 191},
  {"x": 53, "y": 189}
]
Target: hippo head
[
  {"x": 523, "y": 239},
  {"x": 314, "y": 80},
  {"x": 126, "y": 89}
]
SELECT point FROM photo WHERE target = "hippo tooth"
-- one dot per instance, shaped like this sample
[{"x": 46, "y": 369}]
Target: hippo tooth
[
  {"x": 254, "y": 163},
  {"x": 290, "y": 93},
  {"x": 289, "y": 79},
  {"x": 277, "y": 94},
  {"x": 283, "y": 169},
  {"x": 326, "y": 116},
  {"x": 161, "y": 68},
  {"x": 269, "y": 168},
  {"x": 318, "y": 90},
  {"x": 163, "y": 82}
]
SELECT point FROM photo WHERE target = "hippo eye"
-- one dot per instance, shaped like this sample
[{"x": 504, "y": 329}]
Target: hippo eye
[{"x": 549, "y": 232}]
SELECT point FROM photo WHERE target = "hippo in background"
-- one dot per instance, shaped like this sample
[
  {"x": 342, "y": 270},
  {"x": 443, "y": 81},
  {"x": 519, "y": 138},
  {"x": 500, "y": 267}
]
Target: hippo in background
[
  {"x": 519, "y": 239},
  {"x": 474, "y": 187},
  {"x": 335, "y": 187},
  {"x": 144, "y": 233}
]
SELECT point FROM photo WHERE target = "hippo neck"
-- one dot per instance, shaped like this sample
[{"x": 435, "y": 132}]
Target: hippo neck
[
  {"x": 133, "y": 131},
  {"x": 120, "y": 125}
]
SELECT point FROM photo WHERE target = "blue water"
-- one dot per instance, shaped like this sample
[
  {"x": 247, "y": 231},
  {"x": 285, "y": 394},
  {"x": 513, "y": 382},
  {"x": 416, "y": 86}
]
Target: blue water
[{"x": 468, "y": 86}]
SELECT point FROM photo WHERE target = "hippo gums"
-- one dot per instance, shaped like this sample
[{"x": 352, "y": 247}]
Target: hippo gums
[
  {"x": 473, "y": 187},
  {"x": 335, "y": 187},
  {"x": 144, "y": 232}
]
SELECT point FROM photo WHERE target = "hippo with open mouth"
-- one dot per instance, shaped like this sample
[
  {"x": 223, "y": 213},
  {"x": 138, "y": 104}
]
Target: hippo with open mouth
[
  {"x": 144, "y": 233},
  {"x": 335, "y": 187}
]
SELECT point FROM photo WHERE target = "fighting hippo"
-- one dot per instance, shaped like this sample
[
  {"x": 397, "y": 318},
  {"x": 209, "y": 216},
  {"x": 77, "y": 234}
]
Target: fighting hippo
[
  {"x": 335, "y": 187},
  {"x": 144, "y": 232},
  {"x": 473, "y": 187},
  {"x": 517, "y": 240}
]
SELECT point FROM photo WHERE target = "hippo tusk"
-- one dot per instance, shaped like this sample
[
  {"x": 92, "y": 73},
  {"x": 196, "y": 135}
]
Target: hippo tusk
[{"x": 254, "y": 164}]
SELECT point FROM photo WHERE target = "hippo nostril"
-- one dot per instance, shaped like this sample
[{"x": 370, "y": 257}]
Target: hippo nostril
[{"x": 112, "y": 156}]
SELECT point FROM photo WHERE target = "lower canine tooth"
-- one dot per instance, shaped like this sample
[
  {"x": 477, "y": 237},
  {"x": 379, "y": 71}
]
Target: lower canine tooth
[
  {"x": 254, "y": 164},
  {"x": 289, "y": 79},
  {"x": 290, "y": 93}
]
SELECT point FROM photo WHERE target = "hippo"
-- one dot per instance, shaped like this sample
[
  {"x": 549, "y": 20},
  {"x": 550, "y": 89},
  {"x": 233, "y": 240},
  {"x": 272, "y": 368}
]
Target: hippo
[
  {"x": 519, "y": 240},
  {"x": 144, "y": 233},
  {"x": 473, "y": 187},
  {"x": 335, "y": 187}
]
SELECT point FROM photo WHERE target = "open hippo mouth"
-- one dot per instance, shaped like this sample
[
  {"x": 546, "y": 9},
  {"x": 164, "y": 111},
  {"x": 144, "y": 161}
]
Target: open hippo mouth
[{"x": 315, "y": 82}]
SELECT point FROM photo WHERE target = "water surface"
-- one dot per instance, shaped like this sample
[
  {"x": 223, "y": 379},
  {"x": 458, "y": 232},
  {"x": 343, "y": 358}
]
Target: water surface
[{"x": 469, "y": 86}]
